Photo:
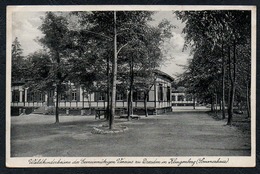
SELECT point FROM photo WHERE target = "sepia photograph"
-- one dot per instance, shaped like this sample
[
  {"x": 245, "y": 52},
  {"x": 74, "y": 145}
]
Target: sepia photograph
[{"x": 131, "y": 86}]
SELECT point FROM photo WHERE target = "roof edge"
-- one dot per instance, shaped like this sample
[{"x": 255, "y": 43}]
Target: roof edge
[{"x": 164, "y": 74}]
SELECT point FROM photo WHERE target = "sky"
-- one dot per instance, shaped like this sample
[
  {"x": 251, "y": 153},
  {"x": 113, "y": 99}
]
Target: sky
[
  {"x": 175, "y": 55},
  {"x": 25, "y": 26}
]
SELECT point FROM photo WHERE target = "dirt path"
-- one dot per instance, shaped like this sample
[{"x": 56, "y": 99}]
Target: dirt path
[{"x": 173, "y": 134}]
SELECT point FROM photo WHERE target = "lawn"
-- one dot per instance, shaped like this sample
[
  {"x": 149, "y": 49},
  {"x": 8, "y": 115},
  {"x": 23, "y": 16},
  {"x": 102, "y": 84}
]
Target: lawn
[{"x": 172, "y": 134}]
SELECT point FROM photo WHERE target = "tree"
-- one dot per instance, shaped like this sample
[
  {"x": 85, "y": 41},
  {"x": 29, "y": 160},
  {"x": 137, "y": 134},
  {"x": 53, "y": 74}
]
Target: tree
[
  {"x": 57, "y": 42},
  {"x": 121, "y": 28},
  {"x": 18, "y": 61},
  {"x": 41, "y": 66},
  {"x": 239, "y": 27},
  {"x": 151, "y": 58},
  {"x": 136, "y": 46},
  {"x": 142, "y": 57},
  {"x": 223, "y": 31},
  {"x": 87, "y": 62}
]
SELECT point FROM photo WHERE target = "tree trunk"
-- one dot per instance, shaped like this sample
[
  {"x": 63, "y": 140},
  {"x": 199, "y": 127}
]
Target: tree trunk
[
  {"x": 216, "y": 101},
  {"x": 57, "y": 104},
  {"x": 194, "y": 103},
  {"x": 108, "y": 114},
  {"x": 212, "y": 104},
  {"x": 145, "y": 104},
  {"x": 230, "y": 109},
  {"x": 130, "y": 97},
  {"x": 233, "y": 85},
  {"x": 129, "y": 103},
  {"x": 114, "y": 71},
  {"x": 230, "y": 92},
  {"x": 83, "y": 101},
  {"x": 58, "y": 77},
  {"x": 223, "y": 82},
  {"x": 220, "y": 104},
  {"x": 108, "y": 111}
]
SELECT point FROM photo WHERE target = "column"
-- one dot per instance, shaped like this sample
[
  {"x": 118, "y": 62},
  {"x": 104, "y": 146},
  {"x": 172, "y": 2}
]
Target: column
[
  {"x": 46, "y": 98},
  {"x": 80, "y": 94},
  {"x": 92, "y": 97},
  {"x": 21, "y": 96},
  {"x": 25, "y": 94},
  {"x": 155, "y": 94},
  {"x": 176, "y": 98}
]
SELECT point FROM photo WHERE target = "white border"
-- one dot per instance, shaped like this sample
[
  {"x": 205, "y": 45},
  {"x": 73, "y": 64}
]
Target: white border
[{"x": 239, "y": 161}]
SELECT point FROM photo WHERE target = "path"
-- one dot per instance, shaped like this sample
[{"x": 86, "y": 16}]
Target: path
[{"x": 173, "y": 134}]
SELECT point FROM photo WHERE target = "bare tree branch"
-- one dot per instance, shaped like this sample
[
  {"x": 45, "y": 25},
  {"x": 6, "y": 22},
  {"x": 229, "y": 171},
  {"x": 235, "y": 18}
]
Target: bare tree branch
[{"x": 121, "y": 48}]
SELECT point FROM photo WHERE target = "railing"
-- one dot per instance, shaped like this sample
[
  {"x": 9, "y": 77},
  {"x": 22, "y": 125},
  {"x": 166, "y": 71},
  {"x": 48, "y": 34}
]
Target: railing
[
  {"x": 94, "y": 104},
  {"x": 177, "y": 102}
]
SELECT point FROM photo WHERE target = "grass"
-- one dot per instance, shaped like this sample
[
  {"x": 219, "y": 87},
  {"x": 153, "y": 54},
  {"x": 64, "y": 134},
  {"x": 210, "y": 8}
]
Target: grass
[
  {"x": 241, "y": 121},
  {"x": 172, "y": 134}
]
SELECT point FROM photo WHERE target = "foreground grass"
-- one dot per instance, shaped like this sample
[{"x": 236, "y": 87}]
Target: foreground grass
[
  {"x": 173, "y": 134},
  {"x": 241, "y": 121}
]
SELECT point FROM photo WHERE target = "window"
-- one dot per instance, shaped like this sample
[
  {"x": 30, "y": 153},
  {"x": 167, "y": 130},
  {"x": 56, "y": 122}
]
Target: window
[
  {"x": 35, "y": 96},
  {"x": 15, "y": 96},
  {"x": 168, "y": 93},
  {"x": 30, "y": 96},
  {"x": 173, "y": 98},
  {"x": 180, "y": 97},
  {"x": 138, "y": 95},
  {"x": 100, "y": 96},
  {"x": 74, "y": 95},
  {"x": 119, "y": 96},
  {"x": 160, "y": 93},
  {"x": 51, "y": 93},
  {"x": 40, "y": 97},
  {"x": 23, "y": 96}
]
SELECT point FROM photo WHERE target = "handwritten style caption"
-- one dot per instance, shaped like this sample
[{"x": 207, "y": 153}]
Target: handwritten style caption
[{"x": 128, "y": 162}]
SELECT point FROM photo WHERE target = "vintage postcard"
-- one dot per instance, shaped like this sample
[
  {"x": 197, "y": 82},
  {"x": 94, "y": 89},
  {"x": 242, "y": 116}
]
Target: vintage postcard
[{"x": 131, "y": 86}]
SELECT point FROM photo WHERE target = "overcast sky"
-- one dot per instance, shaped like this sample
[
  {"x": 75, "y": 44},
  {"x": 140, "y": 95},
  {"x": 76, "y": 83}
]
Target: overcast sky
[{"x": 25, "y": 27}]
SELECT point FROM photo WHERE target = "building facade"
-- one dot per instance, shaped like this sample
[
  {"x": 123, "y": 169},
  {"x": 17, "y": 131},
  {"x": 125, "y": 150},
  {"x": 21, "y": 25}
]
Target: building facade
[
  {"x": 75, "y": 98},
  {"x": 181, "y": 98}
]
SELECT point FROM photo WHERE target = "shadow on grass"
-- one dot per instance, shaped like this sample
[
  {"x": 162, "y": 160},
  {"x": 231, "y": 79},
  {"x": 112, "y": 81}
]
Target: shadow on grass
[{"x": 241, "y": 121}]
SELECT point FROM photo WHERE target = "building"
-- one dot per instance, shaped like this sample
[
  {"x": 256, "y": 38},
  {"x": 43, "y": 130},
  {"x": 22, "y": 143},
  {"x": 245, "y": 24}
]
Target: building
[
  {"x": 75, "y": 99},
  {"x": 180, "y": 97}
]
